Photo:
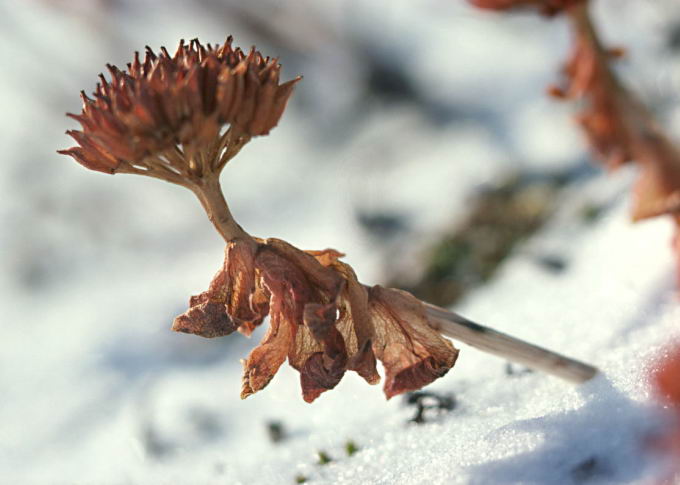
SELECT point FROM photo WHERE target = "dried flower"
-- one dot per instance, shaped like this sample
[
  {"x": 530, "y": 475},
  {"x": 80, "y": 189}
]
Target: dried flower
[
  {"x": 610, "y": 116},
  {"x": 321, "y": 319},
  {"x": 163, "y": 116}
]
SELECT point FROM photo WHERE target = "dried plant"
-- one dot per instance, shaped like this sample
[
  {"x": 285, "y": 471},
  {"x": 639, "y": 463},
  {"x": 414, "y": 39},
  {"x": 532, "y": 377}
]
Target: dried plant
[
  {"x": 181, "y": 118},
  {"x": 165, "y": 117},
  {"x": 619, "y": 127},
  {"x": 666, "y": 380}
]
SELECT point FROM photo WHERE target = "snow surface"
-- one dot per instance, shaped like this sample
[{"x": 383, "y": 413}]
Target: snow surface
[{"x": 97, "y": 389}]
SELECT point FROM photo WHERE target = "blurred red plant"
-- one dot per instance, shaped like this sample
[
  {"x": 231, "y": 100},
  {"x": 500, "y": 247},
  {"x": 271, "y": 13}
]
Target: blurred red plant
[
  {"x": 666, "y": 380},
  {"x": 619, "y": 127}
]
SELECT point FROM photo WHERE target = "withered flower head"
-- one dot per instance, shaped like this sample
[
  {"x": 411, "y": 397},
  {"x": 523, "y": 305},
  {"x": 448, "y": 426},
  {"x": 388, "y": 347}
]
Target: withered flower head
[
  {"x": 606, "y": 106},
  {"x": 321, "y": 319},
  {"x": 667, "y": 383},
  {"x": 164, "y": 115}
]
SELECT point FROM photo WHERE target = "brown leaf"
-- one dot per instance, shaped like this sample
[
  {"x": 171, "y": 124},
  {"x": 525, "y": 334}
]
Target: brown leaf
[
  {"x": 263, "y": 362},
  {"x": 323, "y": 370},
  {"x": 169, "y": 105},
  {"x": 232, "y": 301},
  {"x": 412, "y": 352},
  {"x": 354, "y": 323},
  {"x": 207, "y": 319},
  {"x": 304, "y": 293},
  {"x": 246, "y": 300},
  {"x": 321, "y": 318}
]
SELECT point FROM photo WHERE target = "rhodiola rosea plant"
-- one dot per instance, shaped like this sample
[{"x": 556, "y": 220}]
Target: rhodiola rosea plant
[
  {"x": 619, "y": 127},
  {"x": 181, "y": 118}
]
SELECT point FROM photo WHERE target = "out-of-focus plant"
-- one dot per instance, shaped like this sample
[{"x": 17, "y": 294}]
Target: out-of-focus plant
[
  {"x": 666, "y": 380},
  {"x": 181, "y": 118},
  {"x": 619, "y": 127}
]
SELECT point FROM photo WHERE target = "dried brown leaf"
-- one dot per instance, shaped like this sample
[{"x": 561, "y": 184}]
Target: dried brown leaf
[
  {"x": 413, "y": 353},
  {"x": 321, "y": 319}
]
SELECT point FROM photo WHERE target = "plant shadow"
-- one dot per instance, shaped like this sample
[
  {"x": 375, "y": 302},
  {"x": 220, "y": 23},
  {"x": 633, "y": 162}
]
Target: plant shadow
[{"x": 601, "y": 442}]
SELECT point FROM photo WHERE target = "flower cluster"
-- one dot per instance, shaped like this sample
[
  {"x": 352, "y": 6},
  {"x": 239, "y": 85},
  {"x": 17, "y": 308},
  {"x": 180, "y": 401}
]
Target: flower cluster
[
  {"x": 321, "y": 319},
  {"x": 667, "y": 383},
  {"x": 164, "y": 115}
]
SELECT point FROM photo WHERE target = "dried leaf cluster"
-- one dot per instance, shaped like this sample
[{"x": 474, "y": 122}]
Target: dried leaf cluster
[
  {"x": 321, "y": 319},
  {"x": 164, "y": 115},
  {"x": 619, "y": 128}
]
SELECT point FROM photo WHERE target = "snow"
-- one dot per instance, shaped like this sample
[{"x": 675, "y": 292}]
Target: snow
[{"x": 97, "y": 389}]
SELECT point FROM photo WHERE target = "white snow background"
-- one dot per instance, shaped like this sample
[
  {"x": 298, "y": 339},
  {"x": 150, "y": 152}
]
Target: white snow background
[{"x": 96, "y": 389}]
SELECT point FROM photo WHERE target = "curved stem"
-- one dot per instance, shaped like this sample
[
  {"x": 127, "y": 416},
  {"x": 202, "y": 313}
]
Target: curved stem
[{"x": 212, "y": 199}]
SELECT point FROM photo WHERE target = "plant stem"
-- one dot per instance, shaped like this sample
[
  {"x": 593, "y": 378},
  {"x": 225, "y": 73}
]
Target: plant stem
[
  {"x": 493, "y": 342},
  {"x": 210, "y": 195},
  {"x": 209, "y": 192}
]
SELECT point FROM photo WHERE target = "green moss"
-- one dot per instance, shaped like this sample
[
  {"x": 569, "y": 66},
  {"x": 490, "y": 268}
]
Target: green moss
[
  {"x": 351, "y": 448},
  {"x": 323, "y": 458}
]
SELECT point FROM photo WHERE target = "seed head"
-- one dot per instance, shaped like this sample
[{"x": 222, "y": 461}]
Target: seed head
[{"x": 167, "y": 113}]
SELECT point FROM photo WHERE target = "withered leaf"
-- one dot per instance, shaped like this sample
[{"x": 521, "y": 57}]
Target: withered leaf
[
  {"x": 413, "y": 353},
  {"x": 322, "y": 319},
  {"x": 206, "y": 319},
  {"x": 657, "y": 190}
]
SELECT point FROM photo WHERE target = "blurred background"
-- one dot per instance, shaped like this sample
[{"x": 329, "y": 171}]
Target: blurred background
[{"x": 420, "y": 143}]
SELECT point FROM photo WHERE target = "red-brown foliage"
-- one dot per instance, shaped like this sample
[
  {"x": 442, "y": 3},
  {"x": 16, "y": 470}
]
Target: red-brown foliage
[{"x": 321, "y": 319}]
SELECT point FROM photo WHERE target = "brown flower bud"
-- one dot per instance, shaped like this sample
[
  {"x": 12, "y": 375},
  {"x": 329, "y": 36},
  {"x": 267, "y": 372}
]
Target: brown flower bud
[{"x": 657, "y": 190}]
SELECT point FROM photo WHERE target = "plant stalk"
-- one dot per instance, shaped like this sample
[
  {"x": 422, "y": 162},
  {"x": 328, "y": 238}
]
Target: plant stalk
[
  {"x": 447, "y": 323},
  {"x": 212, "y": 199},
  {"x": 515, "y": 350}
]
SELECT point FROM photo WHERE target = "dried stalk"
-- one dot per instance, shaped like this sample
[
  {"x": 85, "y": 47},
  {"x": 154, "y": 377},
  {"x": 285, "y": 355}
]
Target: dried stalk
[{"x": 493, "y": 342}]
